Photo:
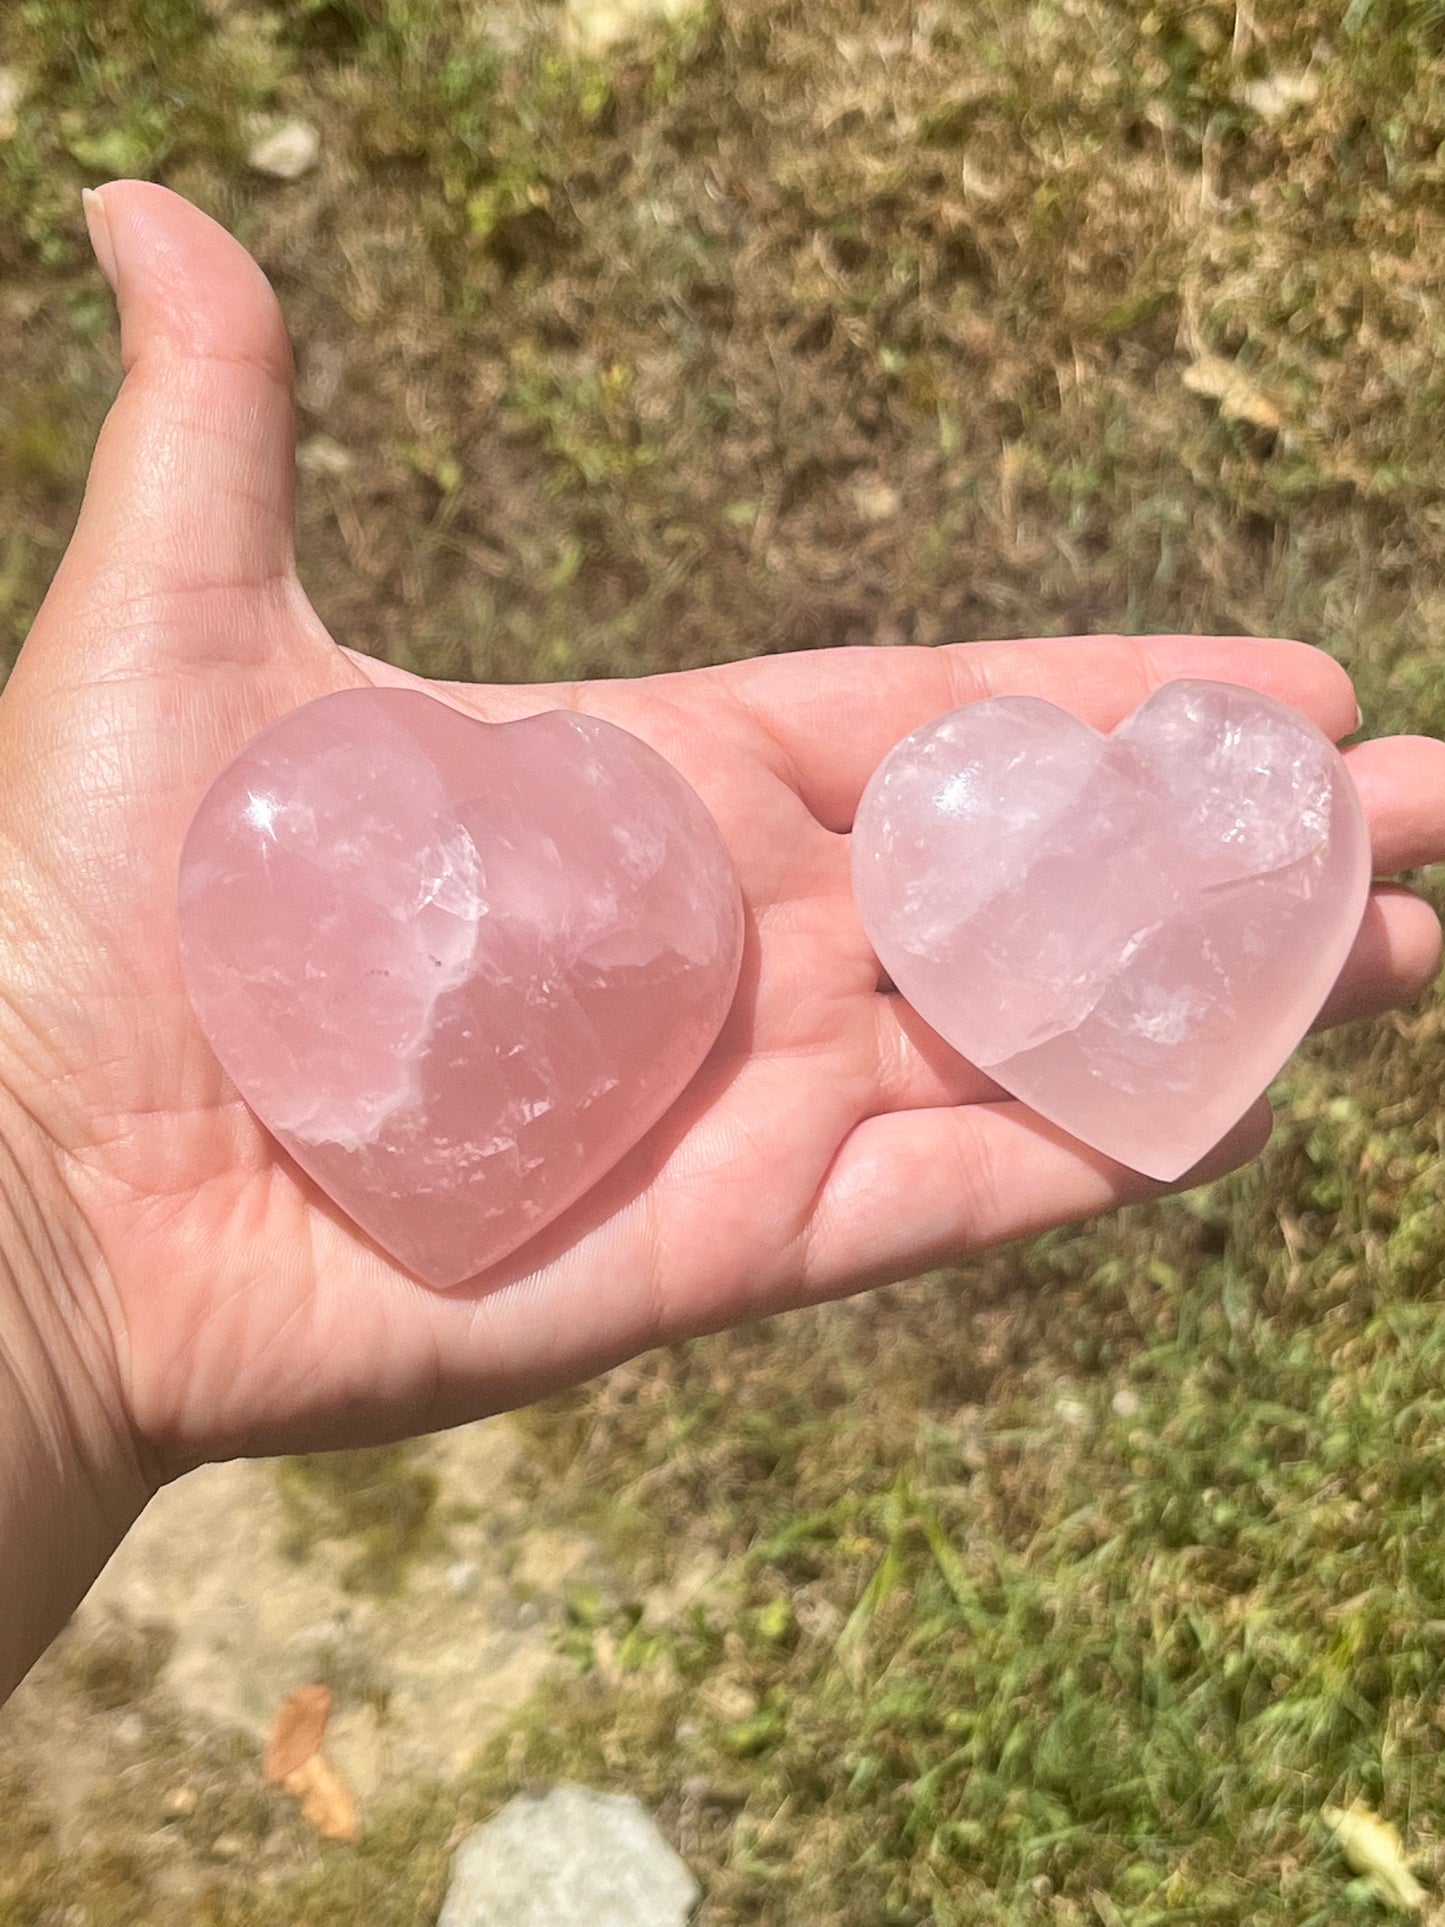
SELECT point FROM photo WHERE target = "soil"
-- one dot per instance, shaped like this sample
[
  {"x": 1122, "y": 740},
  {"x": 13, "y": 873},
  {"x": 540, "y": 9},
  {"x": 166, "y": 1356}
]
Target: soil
[{"x": 209, "y": 1615}]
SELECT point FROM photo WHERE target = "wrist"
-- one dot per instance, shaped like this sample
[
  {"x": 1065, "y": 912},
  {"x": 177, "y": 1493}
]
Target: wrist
[{"x": 71, "y": 1480}]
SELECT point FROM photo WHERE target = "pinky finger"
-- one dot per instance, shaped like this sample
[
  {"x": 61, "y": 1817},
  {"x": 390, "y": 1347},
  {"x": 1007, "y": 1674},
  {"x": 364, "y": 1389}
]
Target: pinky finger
[{"x": 923, "y": 1188}]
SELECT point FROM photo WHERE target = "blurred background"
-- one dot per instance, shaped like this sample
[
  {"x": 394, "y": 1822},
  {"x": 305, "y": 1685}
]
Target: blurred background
[{"x": 1071, "y": 1588}]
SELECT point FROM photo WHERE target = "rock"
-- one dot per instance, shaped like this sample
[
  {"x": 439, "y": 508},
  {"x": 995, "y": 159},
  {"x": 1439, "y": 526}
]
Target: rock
[
  {"x": 286, "y": 152},
  {"x": 875, "y": 499},
  {"x": 1279, "y": 94},
  {"x": 571, "y": 1858},
  {"x": 13, "y": 88},
  {"x": 321, "y": 455}
]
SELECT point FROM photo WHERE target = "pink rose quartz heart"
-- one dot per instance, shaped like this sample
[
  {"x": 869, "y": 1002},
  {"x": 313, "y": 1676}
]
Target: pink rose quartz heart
[
  {"x": 458, "y": 969},
  {"x": 1130, "y": 933}
]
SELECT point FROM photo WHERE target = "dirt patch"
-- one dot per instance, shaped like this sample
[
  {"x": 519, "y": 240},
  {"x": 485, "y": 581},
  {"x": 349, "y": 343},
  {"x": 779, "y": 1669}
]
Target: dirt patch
[{"x": 210, "y": 1607}]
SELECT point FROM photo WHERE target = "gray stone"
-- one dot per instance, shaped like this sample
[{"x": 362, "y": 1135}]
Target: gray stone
[
  {"x": 570, "y": 1858},
  {"x": 286, "y": 152}
]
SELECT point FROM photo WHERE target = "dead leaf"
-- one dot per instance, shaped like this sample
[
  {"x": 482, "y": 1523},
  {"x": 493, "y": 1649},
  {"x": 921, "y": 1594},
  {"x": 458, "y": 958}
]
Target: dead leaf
[
  {"x": 1239, "y": 400},
  {"x": 327, "y": 1802},
  {"x": 1372, "y": 1847},
  {"x": 298, "y": 1732}
]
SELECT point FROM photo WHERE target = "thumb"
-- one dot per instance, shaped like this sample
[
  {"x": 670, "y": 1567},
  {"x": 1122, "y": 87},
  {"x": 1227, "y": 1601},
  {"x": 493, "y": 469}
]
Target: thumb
[{"x": 191, "y": 488}]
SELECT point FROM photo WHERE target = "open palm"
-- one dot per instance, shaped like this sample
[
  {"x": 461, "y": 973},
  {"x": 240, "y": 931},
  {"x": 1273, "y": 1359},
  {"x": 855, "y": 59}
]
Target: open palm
[{"x": 829, "y": 1142}]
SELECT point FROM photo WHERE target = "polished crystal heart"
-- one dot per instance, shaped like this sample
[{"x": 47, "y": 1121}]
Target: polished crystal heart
[
  {"x": 458, "y": 969},
  {"x": 1130, "y": 933}
]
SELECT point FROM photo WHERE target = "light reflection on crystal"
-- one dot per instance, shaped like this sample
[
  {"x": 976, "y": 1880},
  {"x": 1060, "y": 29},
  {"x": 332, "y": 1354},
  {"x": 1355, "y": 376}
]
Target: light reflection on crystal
[{"x": 261, "y": 814}]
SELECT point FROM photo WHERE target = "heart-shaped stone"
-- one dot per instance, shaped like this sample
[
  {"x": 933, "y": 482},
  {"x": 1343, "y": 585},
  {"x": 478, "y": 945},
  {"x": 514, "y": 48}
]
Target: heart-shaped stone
[
  {"x": 1132, "y": 932},
  {"x": 457, "y": 968}
]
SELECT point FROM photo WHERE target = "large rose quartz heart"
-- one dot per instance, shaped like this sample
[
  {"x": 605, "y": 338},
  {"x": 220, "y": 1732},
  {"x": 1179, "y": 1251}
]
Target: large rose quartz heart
[
  {"x": 1130, "y": 933},
  {"x": 457, "y": 968}
]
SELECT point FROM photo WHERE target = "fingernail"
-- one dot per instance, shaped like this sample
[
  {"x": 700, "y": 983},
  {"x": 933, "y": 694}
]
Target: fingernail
[
  {"x": 1359, "y": 718},
  {"x": 98, "y": 223}
]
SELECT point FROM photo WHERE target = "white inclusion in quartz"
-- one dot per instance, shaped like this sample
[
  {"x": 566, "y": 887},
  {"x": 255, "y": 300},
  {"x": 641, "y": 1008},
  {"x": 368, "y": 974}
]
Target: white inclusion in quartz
[
  {"x": 395, "y": 912},
  {"x": 986, "y": 820},
  {"x": 428, "y": 949},
  {"x": 1049, "y": 870},
  {"x": 451, "y": 879},
  {"x": 1247, "y": 801}
]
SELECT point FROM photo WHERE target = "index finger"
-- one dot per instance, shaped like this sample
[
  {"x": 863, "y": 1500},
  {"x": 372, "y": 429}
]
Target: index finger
[{"x": 832, "y": 715}]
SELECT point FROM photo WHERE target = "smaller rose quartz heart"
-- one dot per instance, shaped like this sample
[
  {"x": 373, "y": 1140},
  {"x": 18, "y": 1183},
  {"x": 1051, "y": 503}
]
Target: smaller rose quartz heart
[
  {"x": 1130, "y": 933},
  {"x": 457, "y": 968}
]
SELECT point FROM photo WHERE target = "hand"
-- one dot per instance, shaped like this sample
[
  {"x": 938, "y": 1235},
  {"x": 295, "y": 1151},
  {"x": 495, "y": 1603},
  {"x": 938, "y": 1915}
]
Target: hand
[{"x": 218, "y": 1303}]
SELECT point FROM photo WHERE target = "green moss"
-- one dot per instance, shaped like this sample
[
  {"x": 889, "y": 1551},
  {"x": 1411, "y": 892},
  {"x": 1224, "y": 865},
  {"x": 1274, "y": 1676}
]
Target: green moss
[
  {"x": 382, "y": 1503},
  {"x": 119, "y": 1665},
  {"x": 132, "y": 88},
  {"x": 44, "y": 446}
]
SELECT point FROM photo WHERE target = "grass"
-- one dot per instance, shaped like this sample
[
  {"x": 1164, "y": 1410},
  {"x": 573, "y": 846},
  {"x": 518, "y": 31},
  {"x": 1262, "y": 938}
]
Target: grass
[{"x": 1068, "y": 1589}]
